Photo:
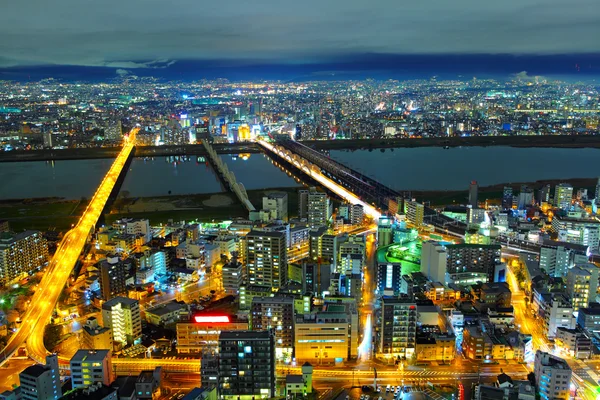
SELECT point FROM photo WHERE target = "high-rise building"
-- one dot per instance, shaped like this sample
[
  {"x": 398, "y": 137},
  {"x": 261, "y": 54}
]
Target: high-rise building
[
  {"x": 582, "y": 285},
  {"x": 246, "y": 365},
  {"x": 122, "y": 316},
  {"x": 277, "y": 203},
  {"x": 94, "y": 336},
  {"x": 233, "y": 276},
  {"x": 90, "y": 367},
  {"x": 275, "y": 313},
  {"x": 303, "y": 203},
  {"x": 415, "y": 213},
  {"x": 389, "y": 278},
  {"x": 113, "y": 276},
  {"x": 20, "y": 254},
  {"x": 397, "y": 334},
  {"x": 507, "y": 198},
  {"x": 41, "y": 382},
  {"x": 433, "y": 261},
  {"x": 266, "y": 258},
  {"x": 597, "y": 194},
  {"x": 319, "y": 209},
  {"x": 473, "y": 194},
  {"x": 552, "y": 376},
  {"x": 563, "y": 195}
]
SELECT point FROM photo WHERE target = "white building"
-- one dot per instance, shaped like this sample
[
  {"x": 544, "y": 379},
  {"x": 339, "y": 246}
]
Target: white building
[
  {"x": 433, "y": 261},
  {"x": 579, "y": 231},
  {"x": 557, "y": 257},
  {"x": 552, "y": 376},
  {"x": 41, "y": 382},
  {"x": 277, "y": 202},
  {"x": 319, "y": 209}
]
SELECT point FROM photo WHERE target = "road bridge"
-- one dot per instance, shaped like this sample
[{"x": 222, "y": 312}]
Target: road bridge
[
  {"x": 227, "y": 176},
  {"x": 62, "y": 263},
  {"x": 367, "y": 189}
]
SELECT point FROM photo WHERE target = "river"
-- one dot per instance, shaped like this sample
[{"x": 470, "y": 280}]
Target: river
[{"x": 425, "y": 168}]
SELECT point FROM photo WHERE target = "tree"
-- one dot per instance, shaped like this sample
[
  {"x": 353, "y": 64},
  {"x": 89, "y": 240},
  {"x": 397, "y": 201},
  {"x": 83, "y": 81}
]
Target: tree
[{"x": 52, "y": 336}]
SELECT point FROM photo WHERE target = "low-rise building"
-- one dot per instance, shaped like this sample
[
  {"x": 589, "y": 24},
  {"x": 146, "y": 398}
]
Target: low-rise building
[
  {"x": 171, "y": 312},
  {"x": 204, "y": 330}
]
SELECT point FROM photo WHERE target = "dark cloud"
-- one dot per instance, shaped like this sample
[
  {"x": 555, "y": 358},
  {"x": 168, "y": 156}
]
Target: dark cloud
[{"x": 132, "y": 34}]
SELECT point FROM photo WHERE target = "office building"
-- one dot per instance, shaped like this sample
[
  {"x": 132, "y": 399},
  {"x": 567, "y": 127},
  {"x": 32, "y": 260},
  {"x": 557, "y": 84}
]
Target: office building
[
  {"x": 473, "y": 194},
  {"x": 557, "y": 257},
  {"x": 122, "y": 316},
  {"x": 90, "y": 367},
  {"x": 588, "y": 318},
  {"x": 319, "y": 209},
  {"x": 246, "y": 365},
  {"x": 277, "y": 204},
  {"x": 21, "y": 254},
  {"x": 113, "y": 276},
  {"x": 471, "y": 263},
  {"x": 415, "y": 213},
  {"x": 582, "y": 285},
  {"x": 266, "y": 258},
  {"x": 329, "y": 336},
  {"x": 204, "y": 330},
  {"x": 389, "y": 278},
  {"x": 94, "y": 336},
  {"x": 433, "y": 261},
  {"x": 552, "y": 376},
  {"x": 397, "y": 333},
  {"x": 276, "y": 313},
  {"x": 41, "y": 382},
  {"x": 563, "y": 195},
  {"x": 233, "y": 276},
  {"x": 585, "y": 232}
]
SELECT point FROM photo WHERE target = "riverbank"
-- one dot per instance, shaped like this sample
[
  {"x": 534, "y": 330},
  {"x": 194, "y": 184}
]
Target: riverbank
[
  {"x": 493, "y": 194},
  {"x": 571, "y": 141},
  {"x": 56, "y": 214},
  {"x": 579, "y": 141}
]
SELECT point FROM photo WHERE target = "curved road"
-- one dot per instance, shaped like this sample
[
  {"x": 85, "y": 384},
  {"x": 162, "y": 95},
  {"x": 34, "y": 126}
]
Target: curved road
[{"x": 61, "y": 265}]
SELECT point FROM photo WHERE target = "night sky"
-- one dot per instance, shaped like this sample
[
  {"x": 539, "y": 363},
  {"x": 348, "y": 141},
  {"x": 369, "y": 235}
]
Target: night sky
[{"x": 301, "y": 39}]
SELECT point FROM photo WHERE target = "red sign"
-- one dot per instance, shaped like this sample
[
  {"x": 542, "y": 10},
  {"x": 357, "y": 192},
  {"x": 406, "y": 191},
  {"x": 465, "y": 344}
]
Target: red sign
[{"x": 212, "y": 318}]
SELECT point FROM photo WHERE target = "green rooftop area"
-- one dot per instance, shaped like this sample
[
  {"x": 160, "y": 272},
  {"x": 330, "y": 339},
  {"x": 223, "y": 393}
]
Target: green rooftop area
[{"x": 408, "y": 254}]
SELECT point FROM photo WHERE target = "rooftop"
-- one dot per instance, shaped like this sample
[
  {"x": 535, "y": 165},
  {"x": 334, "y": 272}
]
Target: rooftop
[
  {"x": 35, "y": 370},
  {"x": 244, "y": 335},
  {"x": 90, "y": 355}
]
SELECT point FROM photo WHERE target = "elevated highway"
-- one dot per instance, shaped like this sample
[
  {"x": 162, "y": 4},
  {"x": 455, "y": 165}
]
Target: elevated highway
[{"x": 61, "y": 265}]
